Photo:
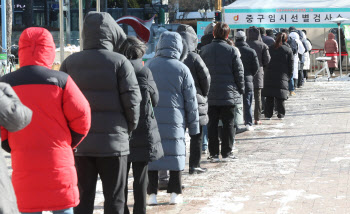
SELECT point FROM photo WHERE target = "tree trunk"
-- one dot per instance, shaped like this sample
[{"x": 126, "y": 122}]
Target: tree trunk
[
  {"x": 9, "y": 24},
  {"x": 28, "y": 13}
]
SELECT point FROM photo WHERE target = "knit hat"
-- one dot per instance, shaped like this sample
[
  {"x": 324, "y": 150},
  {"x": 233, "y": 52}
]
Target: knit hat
[{"x": 240, "y": 35}]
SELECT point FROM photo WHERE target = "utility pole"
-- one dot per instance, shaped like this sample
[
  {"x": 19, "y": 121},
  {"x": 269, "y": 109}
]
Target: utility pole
[{"x": 218, "y": 5}]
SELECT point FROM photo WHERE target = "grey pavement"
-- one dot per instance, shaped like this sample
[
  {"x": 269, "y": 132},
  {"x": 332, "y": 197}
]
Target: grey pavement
[{"x": 297, "y": 165}]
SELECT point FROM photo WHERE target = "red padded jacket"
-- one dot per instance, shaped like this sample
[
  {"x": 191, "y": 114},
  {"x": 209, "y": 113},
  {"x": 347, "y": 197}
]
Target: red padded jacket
[{"x": 44, "y": 176}]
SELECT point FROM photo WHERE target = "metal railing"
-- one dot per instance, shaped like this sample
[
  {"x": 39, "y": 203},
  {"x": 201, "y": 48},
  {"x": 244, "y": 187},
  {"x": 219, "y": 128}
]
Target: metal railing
[{"x": 317, "y": 65}]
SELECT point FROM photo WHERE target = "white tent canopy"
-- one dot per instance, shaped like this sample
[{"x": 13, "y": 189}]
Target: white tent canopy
[{"x": 284, "y": 13}]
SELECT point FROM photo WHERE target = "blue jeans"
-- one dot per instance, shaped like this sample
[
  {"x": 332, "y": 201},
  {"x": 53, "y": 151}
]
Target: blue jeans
[
  {"x": 65, "y": 211},
  {"x": 205, "y": 138},
  {"x": 291, "y": 84},
  {"x": 247, "y": 106}
]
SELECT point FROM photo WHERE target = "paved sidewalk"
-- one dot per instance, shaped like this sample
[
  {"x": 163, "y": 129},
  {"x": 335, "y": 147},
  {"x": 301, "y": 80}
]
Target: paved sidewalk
[{"x": 297, "y": 165}]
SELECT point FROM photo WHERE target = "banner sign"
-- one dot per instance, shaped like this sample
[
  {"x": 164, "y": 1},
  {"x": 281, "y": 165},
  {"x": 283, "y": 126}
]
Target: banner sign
[
  {"x": 347, "y": 38},
  {"x": 200, "y": 29},
  {"x": 285, "y": 17}
]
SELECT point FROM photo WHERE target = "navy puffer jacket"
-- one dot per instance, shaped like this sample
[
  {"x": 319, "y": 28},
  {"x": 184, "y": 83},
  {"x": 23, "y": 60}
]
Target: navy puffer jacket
[{"x": 226, "y": 71}]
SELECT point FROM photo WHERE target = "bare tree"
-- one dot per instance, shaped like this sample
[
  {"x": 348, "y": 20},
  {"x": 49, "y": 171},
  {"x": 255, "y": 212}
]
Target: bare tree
[{"x": 194, "y": 5}]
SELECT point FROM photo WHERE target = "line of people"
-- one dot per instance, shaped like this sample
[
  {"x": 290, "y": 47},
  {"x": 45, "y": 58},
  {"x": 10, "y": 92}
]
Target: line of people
[{"x": 104, "y": 112}]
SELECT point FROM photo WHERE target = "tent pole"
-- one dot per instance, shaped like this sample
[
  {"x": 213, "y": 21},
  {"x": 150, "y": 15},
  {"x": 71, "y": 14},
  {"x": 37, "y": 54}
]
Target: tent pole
[
  {"x": 81, "y": 24},
  {"x": 340, "y": 65},
  {"x": 61, "y": 32}
]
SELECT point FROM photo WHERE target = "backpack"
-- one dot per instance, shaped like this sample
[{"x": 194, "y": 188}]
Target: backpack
[{"x": 293, "y": 45}]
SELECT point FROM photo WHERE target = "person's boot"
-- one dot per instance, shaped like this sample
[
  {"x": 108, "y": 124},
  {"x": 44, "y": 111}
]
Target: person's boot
[{"x": 197, "y": 170}]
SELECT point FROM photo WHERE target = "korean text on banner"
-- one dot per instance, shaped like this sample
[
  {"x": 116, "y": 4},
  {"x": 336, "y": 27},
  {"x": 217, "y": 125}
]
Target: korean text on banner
[{"x": 284, "y": 17}]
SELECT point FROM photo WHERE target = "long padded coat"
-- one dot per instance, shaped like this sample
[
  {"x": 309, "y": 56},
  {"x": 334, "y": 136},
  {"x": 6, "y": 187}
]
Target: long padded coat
[
  {"x": 331, "y": 46},
  {"x": 250, "y": 63},
  {"x": 226, "y": 71},
  {"x": 199, "y": 71},
  {"x": 262, "y": 51},
  {"x": 44, "y": 176},
  {"x": 177, "y": 107},
  {"x": 278, "y": 72},
  {"x": 14, "y": 116},
  {"x": 109, "y": 83},
  {"x": 145, "y": 143}
]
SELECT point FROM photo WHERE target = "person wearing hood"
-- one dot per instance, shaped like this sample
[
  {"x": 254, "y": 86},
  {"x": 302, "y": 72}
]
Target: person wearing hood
[
  {"x": 177, "y": 109},
  {"x": 251, "y": 66},
  {"x": 226, "y": 89},
  {"x": 201, "y": 77},
  {"x": 109, "y": 83},
  {"x": 266, "y": 39},
  {"x": 301, "y": 50},
  {"x": 262, "y": 51},
  {"x": 44, "y": 176},
  {"x": 277, "y": 74},
  {"x": 14, "y": 116},
  {"x": 208, "y": 37},
  {"x": 306, "y": 55},
  {"x": 331, "y": 47},
  {"x": 302, "y": 58}
]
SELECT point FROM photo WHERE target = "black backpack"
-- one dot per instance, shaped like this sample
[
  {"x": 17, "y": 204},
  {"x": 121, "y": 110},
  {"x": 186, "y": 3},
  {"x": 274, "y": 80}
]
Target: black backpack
[{"x": 293, "y": 45}]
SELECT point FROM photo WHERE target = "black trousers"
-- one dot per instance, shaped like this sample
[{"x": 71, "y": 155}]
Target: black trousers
[
  {"x": 301, "y": 75},
  {"x": 196, "y": 149},
  {"x": 258, "y": 104},
  {"x": 226, "y": 114},
  {"x": 269, "y": 107},
  {"x": 112, "y": 171},
  {"x": 140, "y": 172},
  {"x": 174, "y": 185}
]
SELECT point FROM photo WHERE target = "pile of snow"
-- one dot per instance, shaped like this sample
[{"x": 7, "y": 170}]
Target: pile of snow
[
  {"x": 70, "y": 48},
  {"x": 344, "y": 78}
]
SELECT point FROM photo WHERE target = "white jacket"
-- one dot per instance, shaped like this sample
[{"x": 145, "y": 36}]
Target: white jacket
[
  {"x": 301, "y": 50},
  {"x": 307, "y": 54}
]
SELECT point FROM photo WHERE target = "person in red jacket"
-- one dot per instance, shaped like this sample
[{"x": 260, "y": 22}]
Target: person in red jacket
[{"x": 44, "y": 176}]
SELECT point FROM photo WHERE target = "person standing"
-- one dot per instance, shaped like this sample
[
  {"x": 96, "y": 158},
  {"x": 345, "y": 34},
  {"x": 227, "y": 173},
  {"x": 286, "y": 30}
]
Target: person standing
[
  {"x": 306, "y": 67},
  {"x": 201, "y": 77},
  {"x": 331, "y": 47},
  {"x": 266, "y": 39},
  {"x": 44, "y": 176},
  {"x": 277, "y": 74},
  {"x": 145, "y": 143},
  {"x": 262, "y": 51},
  {"x": 227, "y": 86},
  {"x": 301, "y": 50},
  {"x": 177, "y": 109},
  {"x": 251, "y": 66},
  {"x": 109, "y": 83},
  {"x": 14, "y": 116}
]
